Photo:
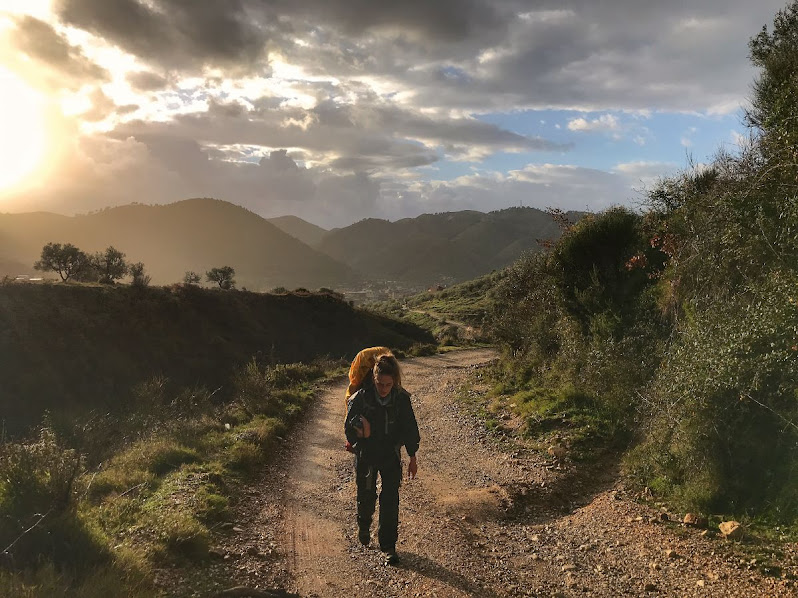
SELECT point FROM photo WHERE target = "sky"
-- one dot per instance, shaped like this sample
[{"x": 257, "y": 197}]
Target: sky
[{"x": 339, "y": 110}]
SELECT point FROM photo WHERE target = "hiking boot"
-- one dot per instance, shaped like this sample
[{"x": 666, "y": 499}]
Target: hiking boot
[
  {"x": 391, "y": 558},
  {"x": 364, "y": 535}
]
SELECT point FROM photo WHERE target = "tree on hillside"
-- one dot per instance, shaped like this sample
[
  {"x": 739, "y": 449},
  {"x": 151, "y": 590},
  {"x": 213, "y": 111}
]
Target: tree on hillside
[
  {"x": 776, "y": 90},
  {"x": 222, "y": 276},
  {"x": 110, "y": 265},
  {"x": 67, "y": 260},
  {"x": 140, "y": 279},
  {"x": 191, "y": 277}
]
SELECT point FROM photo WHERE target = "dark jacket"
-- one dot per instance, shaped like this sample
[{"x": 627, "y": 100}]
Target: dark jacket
[{"x": 392, "y": 426}]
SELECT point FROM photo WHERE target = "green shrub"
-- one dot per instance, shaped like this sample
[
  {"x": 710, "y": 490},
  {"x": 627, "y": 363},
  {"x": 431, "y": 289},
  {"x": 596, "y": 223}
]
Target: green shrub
[
  {"x": 141, "y": 464},
  {"x": 421, "y": 350},
  {"x": 244, "y": 455},
  {"x": 724, "y": 415},
  {"x": 212, "y": 507},
  {"x": 38, "y": 500},
  {"x": 582, "y": 322},
  {"x": 285, "y": 375},
  {"x": 168, "y": 456},
  {"x": 47, "y": 581},
  {"x": 38, "y": 476}
]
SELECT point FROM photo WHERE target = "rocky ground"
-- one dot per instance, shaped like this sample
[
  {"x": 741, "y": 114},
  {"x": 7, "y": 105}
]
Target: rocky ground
[{"x": 486, "y": 517}]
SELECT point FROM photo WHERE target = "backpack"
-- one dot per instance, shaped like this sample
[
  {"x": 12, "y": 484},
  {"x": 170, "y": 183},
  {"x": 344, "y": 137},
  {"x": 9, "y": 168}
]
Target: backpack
[
  {"x": 360, "y": 374},
  {"x": 361, "y": 368}
]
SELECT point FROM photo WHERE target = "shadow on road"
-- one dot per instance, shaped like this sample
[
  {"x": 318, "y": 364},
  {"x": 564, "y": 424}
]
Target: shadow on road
[
  {"x": 579, "y": 486},
  {"x": 429, "y": 568}
]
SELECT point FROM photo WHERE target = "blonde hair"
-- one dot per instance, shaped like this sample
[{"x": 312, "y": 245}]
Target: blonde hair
[{"x": 387, "y": 365}]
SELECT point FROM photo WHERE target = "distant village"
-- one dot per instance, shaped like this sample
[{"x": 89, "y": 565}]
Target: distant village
[{"x": 386, "y": 291}]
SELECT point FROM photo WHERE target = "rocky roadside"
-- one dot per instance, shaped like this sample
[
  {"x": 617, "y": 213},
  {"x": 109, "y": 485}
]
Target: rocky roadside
[{"x": 488, "y": 516}]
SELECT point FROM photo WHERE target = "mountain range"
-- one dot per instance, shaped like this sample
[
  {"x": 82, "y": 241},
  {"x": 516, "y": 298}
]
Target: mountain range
[
  {"x": 194, "y": 234},
  {"x": 440, "y": 248},
  {"x": 198, "y": 234}
]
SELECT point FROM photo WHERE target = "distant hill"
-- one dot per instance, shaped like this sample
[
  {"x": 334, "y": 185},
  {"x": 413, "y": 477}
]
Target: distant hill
[
  {"x": 435, "y": 248},
  {"x": 195, "y": 234},
  {"x": 75, "y": 347},
  {"x": 308, "y": 233}
]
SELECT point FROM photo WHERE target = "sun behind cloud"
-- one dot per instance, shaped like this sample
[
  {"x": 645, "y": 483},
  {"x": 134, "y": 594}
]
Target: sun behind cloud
[{"x": 23, "y": 135}]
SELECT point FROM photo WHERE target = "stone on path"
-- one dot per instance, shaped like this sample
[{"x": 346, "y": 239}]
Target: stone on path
[{"x": 731, "y": 530}]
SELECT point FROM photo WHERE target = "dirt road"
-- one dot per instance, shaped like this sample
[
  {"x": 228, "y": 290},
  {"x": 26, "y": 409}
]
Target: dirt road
[{"x": 485, "y": 517}]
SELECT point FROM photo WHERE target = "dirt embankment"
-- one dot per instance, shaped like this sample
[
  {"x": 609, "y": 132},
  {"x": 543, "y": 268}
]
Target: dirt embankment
[{"x": 485, "y": 517}]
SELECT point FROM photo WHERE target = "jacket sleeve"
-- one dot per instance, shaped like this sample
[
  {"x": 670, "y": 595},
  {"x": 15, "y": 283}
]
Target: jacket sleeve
[
  {"x": 410, "y": 437},
  {"x": 353, "y": 412}
]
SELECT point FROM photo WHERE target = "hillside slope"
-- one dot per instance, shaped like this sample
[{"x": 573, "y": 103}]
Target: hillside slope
[
  {"x": 447, "y": 247},
  {"x": 79, "y": 347},
  {"x": 195, "y": 234},
  {"x": 308, "y": 233}
]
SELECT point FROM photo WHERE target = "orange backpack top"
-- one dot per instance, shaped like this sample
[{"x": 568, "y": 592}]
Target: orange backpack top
[{"x": 361, "y": 368}]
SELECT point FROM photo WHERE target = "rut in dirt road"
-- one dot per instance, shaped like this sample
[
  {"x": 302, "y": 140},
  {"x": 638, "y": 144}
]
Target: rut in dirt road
[{"x": 486, "y": 517}]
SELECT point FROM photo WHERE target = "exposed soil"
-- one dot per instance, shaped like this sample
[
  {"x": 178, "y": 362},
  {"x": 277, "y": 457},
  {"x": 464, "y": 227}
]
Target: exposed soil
[{"x": 486, "y": 517}]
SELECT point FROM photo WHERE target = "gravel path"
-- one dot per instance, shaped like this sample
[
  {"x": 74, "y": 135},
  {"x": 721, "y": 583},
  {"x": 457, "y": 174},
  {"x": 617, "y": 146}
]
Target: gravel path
[{"x": 485, "y": 517}]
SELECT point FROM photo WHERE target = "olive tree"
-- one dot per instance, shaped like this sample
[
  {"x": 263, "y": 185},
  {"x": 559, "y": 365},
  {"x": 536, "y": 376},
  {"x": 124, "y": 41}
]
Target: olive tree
[
  {"x": 140, "y": 279},
  {"x": 191, "y": 277},
  {"x": 110, "y": 265},
  {"x": 67, "y": 260},
  {"x": 222, "y": 276}
]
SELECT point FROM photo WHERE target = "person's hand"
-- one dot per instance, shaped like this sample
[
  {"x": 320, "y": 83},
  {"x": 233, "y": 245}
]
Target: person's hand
[
  {"x": 365, "y": 431},
  {"x": 412, "y": 468}
]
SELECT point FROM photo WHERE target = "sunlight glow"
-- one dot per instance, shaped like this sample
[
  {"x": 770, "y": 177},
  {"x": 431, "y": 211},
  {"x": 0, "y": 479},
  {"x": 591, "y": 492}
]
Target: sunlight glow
[
  {"x": 22, "y": 130},
  {"x": 36, "y": 8}
]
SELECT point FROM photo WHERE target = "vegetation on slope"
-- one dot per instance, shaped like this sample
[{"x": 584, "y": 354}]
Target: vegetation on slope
[
  {"x": 308, "y": 233},
  {"x": 93, "y": 509},
  {"x": 678, "y": 328},
  {"x": 581, "y": 331},
  {"x": 159, "y": 403},
  {"x": 454, "y": 315},
  {"x": 77, "y": 347}
]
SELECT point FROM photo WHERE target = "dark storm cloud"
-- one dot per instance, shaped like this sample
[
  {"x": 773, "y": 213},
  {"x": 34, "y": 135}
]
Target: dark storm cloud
[
  {"x": 40, "y": 41},
  {"x": 438, "y": 20},
  {"x": 178, "y": 33},
  {"x": 188, "y": 34}
]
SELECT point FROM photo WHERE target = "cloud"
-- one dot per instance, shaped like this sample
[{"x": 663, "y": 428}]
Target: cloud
[
  {"x": 146, "y": 81},
  {"x": 643, "y": 173},
  {"x": 739, "y": 140},
  {"x": 603, "y": 124},
  {"x": 686, "y": 139},
  {"x": 67, "y": 63},
  {"x": 102, "y": 171},
  {"x": 365, "y": 135},
  {"x": 536, "y": 185},
  {"x": 172, "y": 33},
  {"x": 474, "y": 55}
]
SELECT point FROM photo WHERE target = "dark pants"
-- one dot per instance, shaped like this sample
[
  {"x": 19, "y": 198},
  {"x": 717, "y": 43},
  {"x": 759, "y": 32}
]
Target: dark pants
[{"x": 366, "y": 477}]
